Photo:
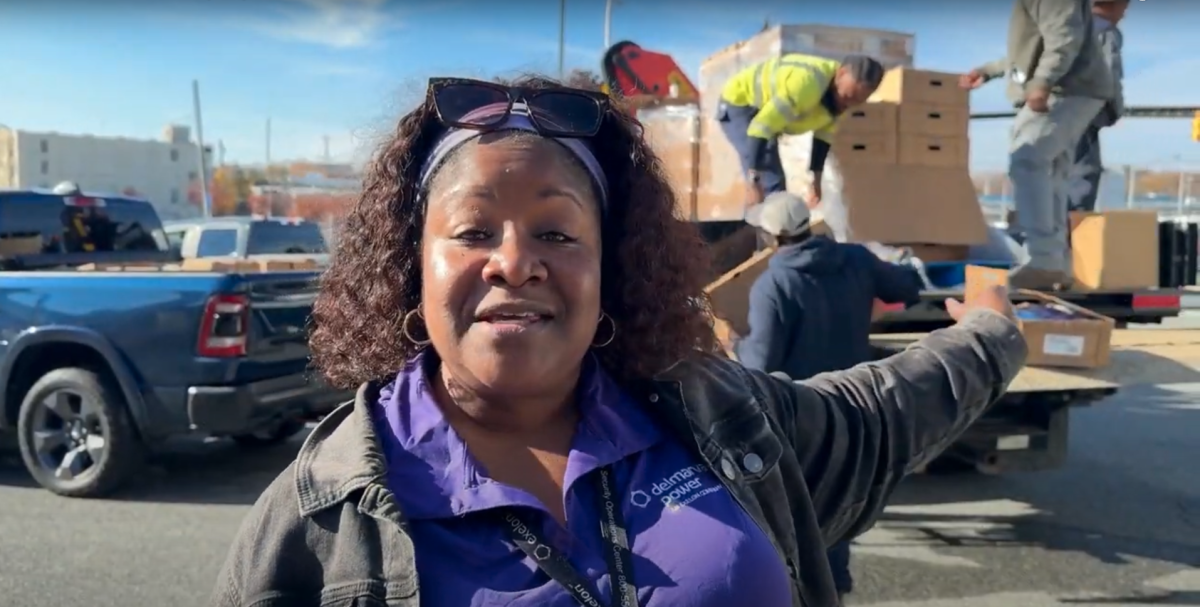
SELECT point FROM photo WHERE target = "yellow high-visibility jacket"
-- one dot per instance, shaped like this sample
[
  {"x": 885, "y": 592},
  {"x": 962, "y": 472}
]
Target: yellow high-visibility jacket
[{"x": 787, "y": 91}]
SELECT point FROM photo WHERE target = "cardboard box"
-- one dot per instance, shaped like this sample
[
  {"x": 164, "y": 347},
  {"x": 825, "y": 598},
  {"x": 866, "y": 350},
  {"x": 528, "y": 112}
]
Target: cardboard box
[
  {"x": 906, "y": 85},
  {"x": 932, "y": 151},
  {"x": 1080, "y": 343},
  {"x": 878, "y": 148},
  {"x": 1114, "y": 250},
  {"x": 672, "y": 131},
  {"x": 894, "y": 203},
  {"x": 869, "y": 119},
  {"x": 931, "y": 119},
  {"x": 729, "y": 295},
  {"x": 21, "y": 245}
]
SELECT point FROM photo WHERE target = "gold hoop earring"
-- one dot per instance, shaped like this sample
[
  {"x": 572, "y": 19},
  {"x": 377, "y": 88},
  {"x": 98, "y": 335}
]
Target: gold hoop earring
[
  {"x": 407, "y": 333},
  {"x": 611, "y": 335}
]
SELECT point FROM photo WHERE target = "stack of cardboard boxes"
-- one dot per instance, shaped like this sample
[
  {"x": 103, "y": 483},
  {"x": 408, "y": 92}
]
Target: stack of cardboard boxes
[
  {"x": 915, "y": 118},
  {"x": 903, "y": 157}
]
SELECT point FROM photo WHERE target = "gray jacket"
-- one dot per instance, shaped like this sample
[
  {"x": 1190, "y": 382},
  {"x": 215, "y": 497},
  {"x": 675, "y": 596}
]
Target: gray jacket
[
  {"x": 329, "y": 530},
  {"x": 1052, "y": 44},
  {"x": 1111, "y": 41}
]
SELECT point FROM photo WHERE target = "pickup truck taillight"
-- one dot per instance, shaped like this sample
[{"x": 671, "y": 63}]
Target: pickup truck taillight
[{"x": 224, "y": 326}]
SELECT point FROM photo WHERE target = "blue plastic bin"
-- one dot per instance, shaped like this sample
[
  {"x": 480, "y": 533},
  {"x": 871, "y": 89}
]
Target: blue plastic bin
[{"x": 952, "y": 274}]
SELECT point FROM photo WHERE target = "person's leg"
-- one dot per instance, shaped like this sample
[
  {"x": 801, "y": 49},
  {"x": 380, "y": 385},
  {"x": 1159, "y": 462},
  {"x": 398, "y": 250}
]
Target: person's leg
[
  {"x": 1039, "y": 143},
  {"x": 734, "y": 121},
  {"x": 772, "y": 177},
  {"x": 1060, "y": 172},
  {"x": 1087, "y": 171},
  {"x": 839, "y": 563}
]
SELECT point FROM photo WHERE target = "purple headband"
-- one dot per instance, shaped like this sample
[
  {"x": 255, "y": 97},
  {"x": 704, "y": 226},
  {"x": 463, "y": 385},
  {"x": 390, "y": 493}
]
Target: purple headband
[{"x": 518, "y": 120}]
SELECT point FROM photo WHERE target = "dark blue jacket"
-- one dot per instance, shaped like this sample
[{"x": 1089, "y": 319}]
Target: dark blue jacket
[{"x": 810, "y": 311}]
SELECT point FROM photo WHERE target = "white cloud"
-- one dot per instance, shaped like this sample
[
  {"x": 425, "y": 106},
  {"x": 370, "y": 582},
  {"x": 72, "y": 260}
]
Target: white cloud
[{"x": 337, "y": 24}]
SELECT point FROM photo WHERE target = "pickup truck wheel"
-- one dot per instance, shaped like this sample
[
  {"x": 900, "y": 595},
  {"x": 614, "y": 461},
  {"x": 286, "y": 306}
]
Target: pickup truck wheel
[
  {"x": 269, "y": 437},
  {"x": 75, "y": 435}
]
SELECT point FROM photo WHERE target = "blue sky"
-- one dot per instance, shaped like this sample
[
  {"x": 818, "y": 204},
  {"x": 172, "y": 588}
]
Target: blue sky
[{"x": 347, "y": 68}]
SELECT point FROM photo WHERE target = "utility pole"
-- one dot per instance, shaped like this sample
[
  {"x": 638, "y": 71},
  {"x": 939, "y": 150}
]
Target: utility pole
[
  {"x": 267, "y": 166},
  {"x": 1130, "y": 185},
  {"x": 562, "y": 39},
  {"x": 204, "y": 199},
  {"x": 1183, "y": 191},
  {"x": 608, "y": 10}
]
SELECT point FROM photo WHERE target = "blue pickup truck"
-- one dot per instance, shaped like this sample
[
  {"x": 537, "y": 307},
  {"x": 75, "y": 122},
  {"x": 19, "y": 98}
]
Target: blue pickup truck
[{"x": 98, "y": 367}]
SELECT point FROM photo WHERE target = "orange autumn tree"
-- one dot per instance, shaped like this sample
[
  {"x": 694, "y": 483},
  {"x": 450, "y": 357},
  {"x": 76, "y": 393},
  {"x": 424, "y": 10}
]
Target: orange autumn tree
[{"x": 224, "y": 190}]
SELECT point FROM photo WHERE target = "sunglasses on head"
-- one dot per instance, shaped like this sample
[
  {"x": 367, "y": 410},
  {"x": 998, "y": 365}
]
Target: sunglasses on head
[{"x": 554, "y": 112}]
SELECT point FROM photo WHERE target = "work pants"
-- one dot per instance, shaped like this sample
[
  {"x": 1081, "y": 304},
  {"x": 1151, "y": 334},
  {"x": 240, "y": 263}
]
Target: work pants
[
  {"x": 734, "y": 121},
  {"x": 1040, "y": 157},
  {"x": 839, "y": 563},
  {"x": 1085, "y": 176}
]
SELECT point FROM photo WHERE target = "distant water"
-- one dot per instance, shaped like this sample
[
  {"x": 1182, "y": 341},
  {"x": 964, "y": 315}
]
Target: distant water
[{"x": 1163, "y": 204}]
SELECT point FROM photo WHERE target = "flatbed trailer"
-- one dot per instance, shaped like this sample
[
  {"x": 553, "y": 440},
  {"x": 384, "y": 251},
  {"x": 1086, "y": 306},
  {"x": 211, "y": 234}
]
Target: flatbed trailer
[
  {"x": 1027, "y": 429},
  {"x": 1146, "y": 306}
]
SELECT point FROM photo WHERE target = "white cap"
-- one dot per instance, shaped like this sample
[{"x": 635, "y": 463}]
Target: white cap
[{"x": 780, "y": 214}]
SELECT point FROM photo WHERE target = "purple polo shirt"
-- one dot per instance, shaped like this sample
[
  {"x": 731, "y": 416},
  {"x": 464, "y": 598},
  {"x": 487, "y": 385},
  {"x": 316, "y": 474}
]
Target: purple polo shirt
[{"x": 693, "y": 545}]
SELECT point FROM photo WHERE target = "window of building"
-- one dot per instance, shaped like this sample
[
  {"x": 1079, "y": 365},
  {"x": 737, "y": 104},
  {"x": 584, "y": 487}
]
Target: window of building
[
  {"x": 45, "y": 147},
  {"x": 217, "y": 243},
  {"x": 45, "y": 167},
  {"x": 174, "y": 155},
  {"x": 191, "y": 175},
  {"x": 174, "y": 196}
]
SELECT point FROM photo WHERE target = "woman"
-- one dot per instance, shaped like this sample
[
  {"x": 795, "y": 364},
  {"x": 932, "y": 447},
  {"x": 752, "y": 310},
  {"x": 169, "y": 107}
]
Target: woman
[{"x": 543, "y": 418}]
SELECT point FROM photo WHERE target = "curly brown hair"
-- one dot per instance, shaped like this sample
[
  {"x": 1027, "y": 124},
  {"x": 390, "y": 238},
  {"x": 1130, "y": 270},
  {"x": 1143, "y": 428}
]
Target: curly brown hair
[{"x": 654, "y": 264}]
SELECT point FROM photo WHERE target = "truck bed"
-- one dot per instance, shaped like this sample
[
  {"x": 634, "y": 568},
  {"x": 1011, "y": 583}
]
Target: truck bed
[{"x": 1139, "y": 357}]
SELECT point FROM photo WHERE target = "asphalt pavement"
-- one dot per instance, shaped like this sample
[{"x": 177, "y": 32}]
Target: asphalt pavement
[{"x": 1119, "y": 525}]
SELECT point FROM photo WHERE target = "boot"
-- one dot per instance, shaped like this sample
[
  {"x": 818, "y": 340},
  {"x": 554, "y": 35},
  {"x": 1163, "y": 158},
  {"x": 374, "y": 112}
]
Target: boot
[{"x": 1037, "y": 279}]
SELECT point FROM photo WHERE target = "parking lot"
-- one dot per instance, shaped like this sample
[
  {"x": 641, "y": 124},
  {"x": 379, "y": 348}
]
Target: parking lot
[{"x": 1120, "y": 525}]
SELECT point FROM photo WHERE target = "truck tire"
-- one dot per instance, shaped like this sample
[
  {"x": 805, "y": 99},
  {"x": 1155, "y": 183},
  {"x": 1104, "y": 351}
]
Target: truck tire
[
  {"x": 269, "y": 437},
  {"x": 76, "y": 436}
]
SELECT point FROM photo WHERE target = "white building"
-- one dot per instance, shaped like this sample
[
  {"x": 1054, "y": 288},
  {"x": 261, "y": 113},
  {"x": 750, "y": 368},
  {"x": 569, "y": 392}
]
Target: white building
[{"x": 163, "y": 171}]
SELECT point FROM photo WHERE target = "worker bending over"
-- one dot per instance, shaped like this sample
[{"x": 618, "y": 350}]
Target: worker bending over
[
  {"x": 810, "y": 311},
  {"x": 790, "y": 95},
  {"x": 1059, "y": 81},
  {"x": 1106, "y": 15}
]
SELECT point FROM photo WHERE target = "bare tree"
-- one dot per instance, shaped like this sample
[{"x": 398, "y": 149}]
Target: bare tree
[{"x": 584, "y": 79}]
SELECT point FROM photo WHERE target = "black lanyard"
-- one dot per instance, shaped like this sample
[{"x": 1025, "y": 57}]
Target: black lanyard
[{"x": 616, "y": 542}]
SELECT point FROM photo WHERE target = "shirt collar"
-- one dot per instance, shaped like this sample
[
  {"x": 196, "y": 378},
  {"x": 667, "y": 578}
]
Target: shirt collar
[{"x": 434, "y": 476}]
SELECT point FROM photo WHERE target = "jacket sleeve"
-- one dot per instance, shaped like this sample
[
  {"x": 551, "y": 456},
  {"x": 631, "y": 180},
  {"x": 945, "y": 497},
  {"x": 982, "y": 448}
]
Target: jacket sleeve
[
  {"x": 856, "y": 433},
  {"x": 1064, "y": 31},
  {"x": 792, "y": 97},
  {"x": 764, "y": 347},
  {"x": 994, "y": 69},
  {"x": 895, "y": 283},
  {"x": 270, "y": 552}
]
